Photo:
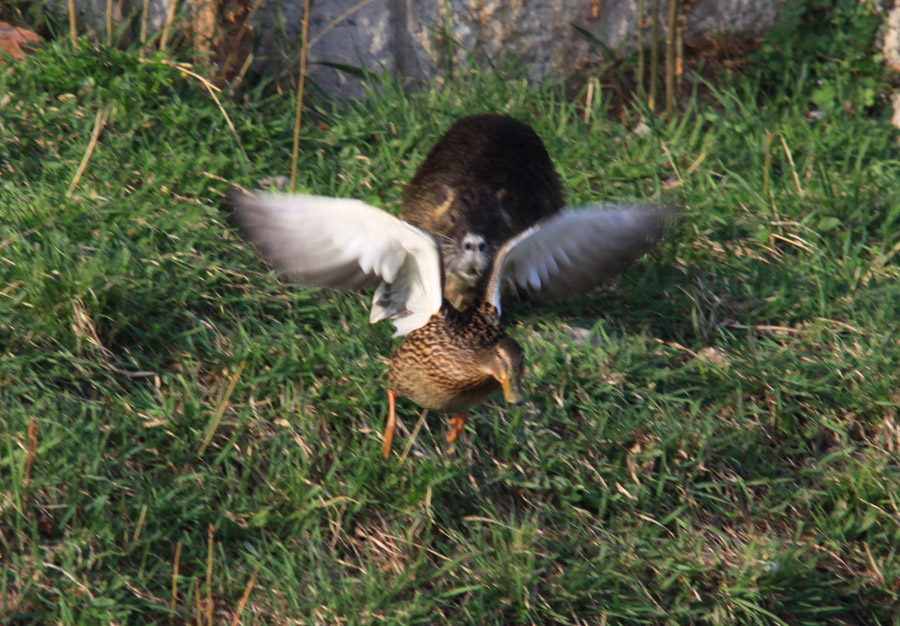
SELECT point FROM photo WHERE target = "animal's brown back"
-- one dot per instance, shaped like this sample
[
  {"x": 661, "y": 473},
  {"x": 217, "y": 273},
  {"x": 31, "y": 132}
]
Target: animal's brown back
[{"x": 490, "y": 174}]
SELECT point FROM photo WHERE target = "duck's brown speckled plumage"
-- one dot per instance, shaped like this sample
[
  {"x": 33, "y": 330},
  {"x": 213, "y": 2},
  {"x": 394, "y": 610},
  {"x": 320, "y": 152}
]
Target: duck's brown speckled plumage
[
  {"x": 439, "y": 365},
  {"x": 453, "y": 362}
]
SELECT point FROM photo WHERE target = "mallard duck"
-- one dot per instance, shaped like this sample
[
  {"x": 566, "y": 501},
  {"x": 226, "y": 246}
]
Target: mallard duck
[
  {"x": 488, "y": 178},
  {"x": 449, "y": 360}
]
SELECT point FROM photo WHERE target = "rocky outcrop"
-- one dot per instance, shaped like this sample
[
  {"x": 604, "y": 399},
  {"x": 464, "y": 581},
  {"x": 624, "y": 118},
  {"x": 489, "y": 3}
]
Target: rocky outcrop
[
  {"x": 891, "y": 41},
  {"x": 409, "y": 36},
  {"x": 421, "y": 39}
]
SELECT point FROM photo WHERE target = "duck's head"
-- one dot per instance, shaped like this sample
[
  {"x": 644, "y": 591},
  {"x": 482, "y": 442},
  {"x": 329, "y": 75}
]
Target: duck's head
[{"x": 505, "y": 362}]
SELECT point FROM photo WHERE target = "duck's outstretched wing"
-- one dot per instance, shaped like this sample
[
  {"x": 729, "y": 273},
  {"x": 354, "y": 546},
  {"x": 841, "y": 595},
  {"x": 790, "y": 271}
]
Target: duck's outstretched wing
[
  {"x": 573, "y": 250},
  {"x": 348, "y": 244}
]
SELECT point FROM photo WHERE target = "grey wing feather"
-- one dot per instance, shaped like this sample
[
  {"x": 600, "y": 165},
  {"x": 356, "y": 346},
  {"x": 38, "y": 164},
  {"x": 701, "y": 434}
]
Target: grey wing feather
[
  {"x": 573, "y": 250},
  {"x": 347, "y": 244}
]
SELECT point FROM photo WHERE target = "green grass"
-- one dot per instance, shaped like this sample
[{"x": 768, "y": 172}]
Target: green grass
[{"x": 724, "y": 450}]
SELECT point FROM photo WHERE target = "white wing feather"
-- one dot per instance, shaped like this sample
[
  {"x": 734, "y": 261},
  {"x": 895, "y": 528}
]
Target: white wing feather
[
  {"x": 348, "y": 244},
  {"x": 573, "y": 250}
]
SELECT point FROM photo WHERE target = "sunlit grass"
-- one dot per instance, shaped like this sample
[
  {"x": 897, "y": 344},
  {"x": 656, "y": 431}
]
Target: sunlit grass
[{"x": 710, "y": 438}]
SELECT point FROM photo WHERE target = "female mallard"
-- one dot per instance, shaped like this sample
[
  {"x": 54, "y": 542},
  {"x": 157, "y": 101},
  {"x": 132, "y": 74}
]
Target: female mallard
[
  {"x": 450, "y": 360},
  {"x": 487, "y": 179}
]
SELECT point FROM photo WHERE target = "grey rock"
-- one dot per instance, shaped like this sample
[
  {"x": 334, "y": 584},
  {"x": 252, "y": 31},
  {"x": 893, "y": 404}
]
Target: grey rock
[{"x": 407, "y": 37}]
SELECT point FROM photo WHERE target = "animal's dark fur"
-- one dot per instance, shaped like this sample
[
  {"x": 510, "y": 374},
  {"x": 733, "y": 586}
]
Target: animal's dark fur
[{"x": 489, "y": 175}]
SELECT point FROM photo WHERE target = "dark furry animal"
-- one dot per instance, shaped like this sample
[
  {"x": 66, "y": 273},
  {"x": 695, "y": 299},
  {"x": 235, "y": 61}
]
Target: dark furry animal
[{"x": 488, "y": 178}]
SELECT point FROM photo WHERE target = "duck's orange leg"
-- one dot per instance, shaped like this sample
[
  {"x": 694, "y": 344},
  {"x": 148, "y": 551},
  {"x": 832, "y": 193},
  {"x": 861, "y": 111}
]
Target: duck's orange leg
[
  {"x": 457, "y": 423},
  {"x": 391, "y": 424}
]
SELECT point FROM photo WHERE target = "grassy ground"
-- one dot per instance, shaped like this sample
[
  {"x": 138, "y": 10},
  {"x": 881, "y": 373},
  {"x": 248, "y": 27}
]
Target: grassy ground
[{"x": 174, "y": 419}]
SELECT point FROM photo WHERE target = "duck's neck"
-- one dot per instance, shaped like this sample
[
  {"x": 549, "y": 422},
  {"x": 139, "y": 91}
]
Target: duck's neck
[
  {"x": 487, "y": 309},
  {"x": 482, "y": 308}
]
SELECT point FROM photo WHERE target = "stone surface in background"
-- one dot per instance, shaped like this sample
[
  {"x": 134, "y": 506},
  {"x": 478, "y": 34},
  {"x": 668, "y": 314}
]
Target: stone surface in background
[
  {"x": 407, "y": 36},
  {"x": 890, "y": 47}
]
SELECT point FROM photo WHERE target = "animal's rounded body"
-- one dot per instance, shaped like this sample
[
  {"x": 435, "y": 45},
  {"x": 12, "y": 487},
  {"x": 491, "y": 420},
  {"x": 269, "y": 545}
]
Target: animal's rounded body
[{"x": 488, "y": 178}]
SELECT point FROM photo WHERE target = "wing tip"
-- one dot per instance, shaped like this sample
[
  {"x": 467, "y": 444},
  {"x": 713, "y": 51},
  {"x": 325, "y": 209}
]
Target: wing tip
[{"x": 624, "y": 232}]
